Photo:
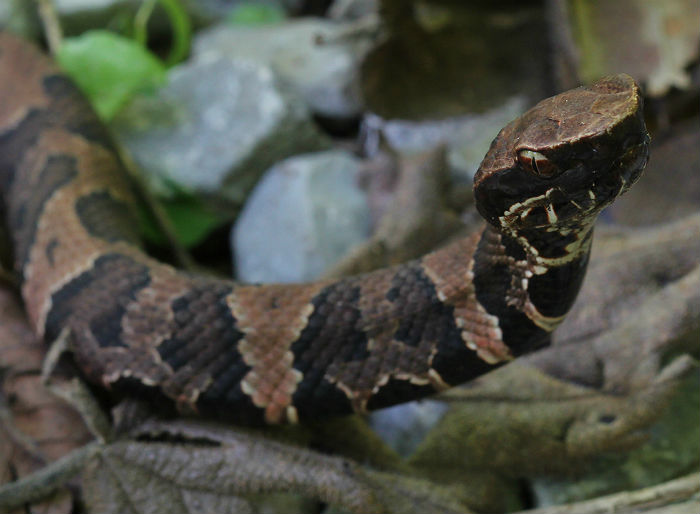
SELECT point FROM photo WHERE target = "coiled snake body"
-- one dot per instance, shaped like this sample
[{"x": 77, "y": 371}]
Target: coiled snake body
[{"x": 283, "y": 353}]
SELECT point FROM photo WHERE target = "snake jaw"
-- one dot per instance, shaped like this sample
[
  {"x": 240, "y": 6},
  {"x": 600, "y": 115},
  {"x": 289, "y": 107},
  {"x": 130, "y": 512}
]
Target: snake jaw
[
  {"x": 566, "y": 199},
  {"x": 563, "y": 212},
  {"x": 548, "y": 210}
]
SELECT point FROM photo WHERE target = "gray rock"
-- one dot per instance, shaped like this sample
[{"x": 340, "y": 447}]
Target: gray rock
[
  {"x": 90, "y": 7},
  {"x": 325, "y": 73},
  {"x": 305, "y": 213},
  {"x": 352, "y": 9},
  {"x": 7, "y": 12},
  {"x": 404, "y": 426},
  {"x": 211, "y": 11},
  {"x": 467, "y": 137},
  {"x": 215, "y": 128}
]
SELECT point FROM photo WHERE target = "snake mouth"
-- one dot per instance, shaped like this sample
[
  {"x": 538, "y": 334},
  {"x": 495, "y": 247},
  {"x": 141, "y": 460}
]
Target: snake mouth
[{"x": 577, "y": 195}]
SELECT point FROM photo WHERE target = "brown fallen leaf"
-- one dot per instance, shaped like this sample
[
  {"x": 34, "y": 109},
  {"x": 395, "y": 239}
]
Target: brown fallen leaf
[
  {"x": 208, "y": 468},
  {"x": 627, "y": 266},
  {"x": 35, "y": 427}
]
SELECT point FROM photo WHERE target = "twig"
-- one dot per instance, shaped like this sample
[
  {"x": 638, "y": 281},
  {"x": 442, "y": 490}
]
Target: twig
[
  {"x": 674, "y": 491},
  {"x": 182, "y": 256},
  {"x": 52, "y": 27},
  {"x": 39, "y": 485},
  {"x": 16, "y": 436},
  {"x": 141, "y": 21},
  {"x": 75, "y": 392}
]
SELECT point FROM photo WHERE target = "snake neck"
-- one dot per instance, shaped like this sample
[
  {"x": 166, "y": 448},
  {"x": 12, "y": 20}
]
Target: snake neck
[{"x": 530, "y": 279}]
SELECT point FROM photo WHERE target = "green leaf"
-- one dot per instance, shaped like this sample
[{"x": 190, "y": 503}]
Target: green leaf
[
  {"x": 251, "y": 14},
  {"x": 191, "y": 220},
  {"x": 109, "y": 68}
]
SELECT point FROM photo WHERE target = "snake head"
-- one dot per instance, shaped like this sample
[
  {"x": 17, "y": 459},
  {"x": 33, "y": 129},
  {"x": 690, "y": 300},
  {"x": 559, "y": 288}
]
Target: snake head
[{"x": 565, "y": 159}]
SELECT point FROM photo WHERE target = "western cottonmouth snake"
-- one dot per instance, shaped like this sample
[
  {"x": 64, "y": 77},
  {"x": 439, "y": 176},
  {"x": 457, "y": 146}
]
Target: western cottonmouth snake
[{"x": 282, "y": 353}]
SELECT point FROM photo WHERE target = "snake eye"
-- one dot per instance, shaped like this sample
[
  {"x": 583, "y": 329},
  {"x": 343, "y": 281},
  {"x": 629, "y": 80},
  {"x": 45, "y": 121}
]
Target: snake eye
[{"x": 537, "y": 163}]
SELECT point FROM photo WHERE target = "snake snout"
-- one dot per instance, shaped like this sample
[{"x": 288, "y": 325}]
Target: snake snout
[{"x": 633, "y": 164}]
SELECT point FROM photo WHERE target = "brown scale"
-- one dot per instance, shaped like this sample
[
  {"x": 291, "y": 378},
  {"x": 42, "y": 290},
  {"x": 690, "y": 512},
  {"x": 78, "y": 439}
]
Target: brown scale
[
  {"x": 73, "y": 248},
  {"x": 454, "y": 283},
  {"x": 271, "y": 318}
]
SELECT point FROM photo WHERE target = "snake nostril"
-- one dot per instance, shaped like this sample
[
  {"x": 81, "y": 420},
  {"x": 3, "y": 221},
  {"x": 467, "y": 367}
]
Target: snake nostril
[{"x": 611, "y": 181}]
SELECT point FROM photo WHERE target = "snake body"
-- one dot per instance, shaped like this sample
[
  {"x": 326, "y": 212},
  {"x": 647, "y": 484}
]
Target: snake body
[{"x": 284, "y": 353}]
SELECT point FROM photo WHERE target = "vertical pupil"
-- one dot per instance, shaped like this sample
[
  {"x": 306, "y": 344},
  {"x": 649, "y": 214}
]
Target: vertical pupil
[{"x": 537, "y": 163}]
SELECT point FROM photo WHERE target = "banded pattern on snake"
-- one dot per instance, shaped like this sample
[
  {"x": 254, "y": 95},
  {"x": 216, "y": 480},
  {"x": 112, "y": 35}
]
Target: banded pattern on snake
[{"x": 284, "y": 353}]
